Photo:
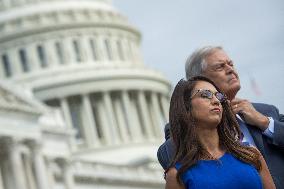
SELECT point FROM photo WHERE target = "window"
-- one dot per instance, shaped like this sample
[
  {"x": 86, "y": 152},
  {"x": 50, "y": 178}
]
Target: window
[
  {"x": 24, "y": 60},
  {"x": 42, "y": 56},
  {"x": 6, "y": 66},
  {"x": 108, "y": 49},
  {"x": 59, "y": 52},
  {"x": 77, "y": 51},
  {"x": 55, "y": 103},
  {"x": 94, "y": 49}
]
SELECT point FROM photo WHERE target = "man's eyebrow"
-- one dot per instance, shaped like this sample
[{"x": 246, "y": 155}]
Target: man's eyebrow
[
  {"x": 218, "y": 63},
  {"x": 222, "y": 62}
]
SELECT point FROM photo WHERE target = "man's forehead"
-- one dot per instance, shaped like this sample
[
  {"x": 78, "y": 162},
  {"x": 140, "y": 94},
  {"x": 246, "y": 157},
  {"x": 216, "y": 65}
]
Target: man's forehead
[
  {"x": 218, "y": 55},
  {"x": 218, "y": 62}
]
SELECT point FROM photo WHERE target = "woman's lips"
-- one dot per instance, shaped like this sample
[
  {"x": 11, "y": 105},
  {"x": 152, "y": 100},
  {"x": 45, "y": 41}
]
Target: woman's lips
[{"x": 217, "y": 110}]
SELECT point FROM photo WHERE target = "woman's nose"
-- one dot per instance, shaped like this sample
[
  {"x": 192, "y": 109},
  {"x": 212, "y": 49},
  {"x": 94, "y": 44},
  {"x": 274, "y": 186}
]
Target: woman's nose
[{"x": 215, "y": 100}]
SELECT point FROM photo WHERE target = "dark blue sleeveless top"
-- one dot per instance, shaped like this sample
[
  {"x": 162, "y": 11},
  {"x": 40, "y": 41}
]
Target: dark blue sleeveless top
[{"x": 225, "y": 173}]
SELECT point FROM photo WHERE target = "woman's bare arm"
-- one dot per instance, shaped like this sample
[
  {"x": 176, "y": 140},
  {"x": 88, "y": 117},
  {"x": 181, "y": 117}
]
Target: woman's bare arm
[{"x": 171, "y": 180}]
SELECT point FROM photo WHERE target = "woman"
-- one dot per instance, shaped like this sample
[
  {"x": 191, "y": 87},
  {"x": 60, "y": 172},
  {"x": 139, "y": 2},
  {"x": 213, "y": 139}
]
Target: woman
[{"x": 209, "y": 153}]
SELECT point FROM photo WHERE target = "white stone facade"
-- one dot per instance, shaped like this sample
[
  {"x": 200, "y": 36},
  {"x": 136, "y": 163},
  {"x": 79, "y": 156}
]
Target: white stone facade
[{"x": 105, "y": 111}]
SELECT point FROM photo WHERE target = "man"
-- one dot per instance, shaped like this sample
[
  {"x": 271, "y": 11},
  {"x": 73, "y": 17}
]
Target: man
[{"x": 261, "y": 124}]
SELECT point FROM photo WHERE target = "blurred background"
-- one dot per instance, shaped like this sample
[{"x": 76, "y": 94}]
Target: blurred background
[
  {"x": 250, "y": 31},
  {"x": 78, "y": 106},
  {"x": 85, "y": 84}
]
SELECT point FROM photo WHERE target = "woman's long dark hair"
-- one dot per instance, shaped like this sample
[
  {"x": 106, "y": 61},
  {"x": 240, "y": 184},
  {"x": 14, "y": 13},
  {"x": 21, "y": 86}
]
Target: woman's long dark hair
[{"x": 182, "y": 127}]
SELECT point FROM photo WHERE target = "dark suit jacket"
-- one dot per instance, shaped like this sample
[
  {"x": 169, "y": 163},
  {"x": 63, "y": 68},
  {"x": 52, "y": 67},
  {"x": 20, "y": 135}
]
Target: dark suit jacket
[{"x": 271, "y": 149}]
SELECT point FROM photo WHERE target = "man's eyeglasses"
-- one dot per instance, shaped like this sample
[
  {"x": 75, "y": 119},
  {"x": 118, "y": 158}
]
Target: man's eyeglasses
[{"x": 206, "y": 93}]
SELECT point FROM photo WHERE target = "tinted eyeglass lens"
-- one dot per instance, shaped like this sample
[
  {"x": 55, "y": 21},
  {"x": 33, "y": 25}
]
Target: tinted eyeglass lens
[
  {"x": 220, "y": 96},
  {"x": 206, "y": 94}
]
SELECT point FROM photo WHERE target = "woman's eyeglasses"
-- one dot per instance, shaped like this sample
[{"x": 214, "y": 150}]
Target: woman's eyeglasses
[{"x": 206, "y": 93}]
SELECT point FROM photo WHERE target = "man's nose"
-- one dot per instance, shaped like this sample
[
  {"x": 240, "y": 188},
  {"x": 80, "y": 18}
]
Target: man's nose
[{"x": 229, "y": 68}]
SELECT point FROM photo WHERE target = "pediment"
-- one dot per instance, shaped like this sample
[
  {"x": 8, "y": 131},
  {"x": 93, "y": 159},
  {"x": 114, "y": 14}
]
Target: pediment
[{"x": 13, "y": 98}]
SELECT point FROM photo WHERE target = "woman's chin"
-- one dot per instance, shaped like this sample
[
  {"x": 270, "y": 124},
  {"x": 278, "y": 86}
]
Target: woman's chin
[{"x": 215, "y": 121}]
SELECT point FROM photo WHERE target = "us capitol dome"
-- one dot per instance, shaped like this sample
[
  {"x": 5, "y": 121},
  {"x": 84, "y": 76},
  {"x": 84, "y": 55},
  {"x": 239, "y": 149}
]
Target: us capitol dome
[{"x": 78, "y": 107}]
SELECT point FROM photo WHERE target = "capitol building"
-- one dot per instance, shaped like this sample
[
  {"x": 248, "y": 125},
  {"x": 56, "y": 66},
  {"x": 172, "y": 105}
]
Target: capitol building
[{"x": 78, "y": 107}]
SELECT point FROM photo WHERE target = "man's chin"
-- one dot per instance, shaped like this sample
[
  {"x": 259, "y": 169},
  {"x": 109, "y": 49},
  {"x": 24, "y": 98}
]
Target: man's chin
[
  {"x": 234, "y": 84},
  {"x": 233, "y": 91}
]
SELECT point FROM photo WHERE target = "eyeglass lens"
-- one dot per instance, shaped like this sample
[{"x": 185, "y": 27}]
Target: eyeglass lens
[{"x": 208, "y": 94}]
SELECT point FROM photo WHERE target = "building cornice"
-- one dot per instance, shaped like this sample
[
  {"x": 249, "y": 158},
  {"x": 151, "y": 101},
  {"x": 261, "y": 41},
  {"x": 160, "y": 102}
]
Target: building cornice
[
  {"x": 90, "y": 81},
  {"x": 65, "y": 20}
]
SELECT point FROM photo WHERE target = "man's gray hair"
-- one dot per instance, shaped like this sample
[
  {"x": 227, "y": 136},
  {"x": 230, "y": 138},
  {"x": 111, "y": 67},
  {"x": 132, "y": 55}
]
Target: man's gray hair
[{"x": 196, "y": 63}]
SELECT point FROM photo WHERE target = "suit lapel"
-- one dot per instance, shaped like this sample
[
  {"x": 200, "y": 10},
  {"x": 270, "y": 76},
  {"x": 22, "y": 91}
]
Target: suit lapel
[{"x": 256, "y": 135}]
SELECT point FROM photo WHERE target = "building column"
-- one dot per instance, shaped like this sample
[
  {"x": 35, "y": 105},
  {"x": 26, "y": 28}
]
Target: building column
[
  {"x": 132, "y": 124},
  {"x": 124, "y": 49},
  {"x": 17, "y": 165},
  {"x": 94, "y": 49},
  {"x": 89, "y": 122},
  {"x": 68, "y": 176},
  {"x": 1, "y": 177},
  {"x": 114, "y": 49},
  {"x": 51, "y": 55},
  {"x": 69, "y": 54},
  {"x": 39, "y": 165},
  {"x": 16, "y": 67},
  {"x": 87, "y": 53},
  {"x": 97, "y": 48},
  {"x": 2, "y": 70},
  {"x": 50, "y": 174},
  {"x": 121, "y": 122},
  {"x": 67, "y": 117},
  {"x": 66, "y": 112},
  {"x": 30, "y": 176},
  {"x": 132, "y": 55},
  {"x": 157, "y": 113},
  {"x": 33, "y": 57},
  {"x": 145, "y": 114},
  {"x": 104, "y": 122},
  {"x": 119, "y": 49},
  {"x": 5, "y": 164},
  {"x": 111, "y": 118},
  {"x": 137, "y": 52},
  {"x": 7, "y": 173},
  {"x": 102, "y": 48},
  {"x": 165, "y": 106}
]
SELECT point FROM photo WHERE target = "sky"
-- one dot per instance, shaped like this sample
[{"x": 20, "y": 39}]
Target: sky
[{"x": 251, "y": 32}]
